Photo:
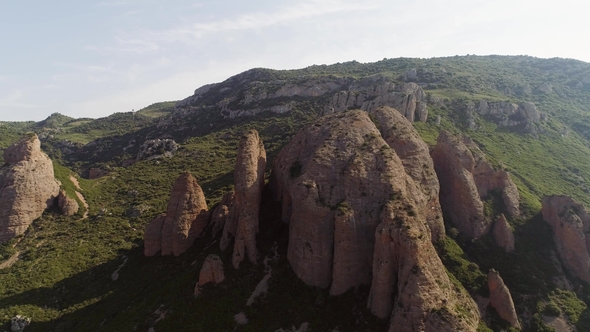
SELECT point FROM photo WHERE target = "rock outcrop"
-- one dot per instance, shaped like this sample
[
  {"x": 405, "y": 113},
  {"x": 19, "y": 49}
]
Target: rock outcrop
[
  {"x": 242, "y": 221},
  {"x": 157, "y": 148},
  {"x": 408, "y": 98},
  {"x": 501, "y": 300},
  {"x": 185, "y": 219},
  {"x": 27, "y": 186},
  {"x": 524, "y": 116},
  {"x": 570, "y": 223},
  {"x": 503, "y": 234},
  {"x": 260, "y": 90},
  {"x": 465, "y": 179},
  {"x": 68, "y": 206},
  {"x": 459, "y": 196},
  {"x": 488, "y": 179},
  {"x": 355, "y": 217},
  {"x": 221, "y": 213},
  {"x": 414, "y": 153},
  {"x": 211, "y": 272}
]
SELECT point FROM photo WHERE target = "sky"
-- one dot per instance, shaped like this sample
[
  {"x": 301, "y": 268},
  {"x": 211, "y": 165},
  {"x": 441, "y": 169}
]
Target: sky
[{"x": 93, "y": 58}]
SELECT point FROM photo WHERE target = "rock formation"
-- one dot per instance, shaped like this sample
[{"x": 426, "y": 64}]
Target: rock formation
[
  {"x": 68, "y": 206},
  {"x": 487, "y": 179},
  {"x": 501, "y": 300},
  {"x": 414, "y": 153},
  {"x": 27, "y": 186},
  {"x": 465, "y": 179},
  {"x": 355, "y": 217},
  {"x": 185, "y": 219},
  {"x": 459, "y": 196},
  {"x": 221, "y": 213},
  {"x": 157, "y": 148},
  {"x": 503, "y": 234},
  {"x": 570, "y": 223},
  {"x": 260, "y": 90},
  {"x": 242, "y": 221},
  {"x": 152, "y": 237},
  {"x": 371, "y": 93},
  {"x": 211, "y": 271}
]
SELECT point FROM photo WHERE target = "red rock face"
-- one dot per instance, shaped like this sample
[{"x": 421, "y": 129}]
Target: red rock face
[
  {"x": 185, "y": 219},
  {"x": 501, "y": 300},
  {"x": 570, "y": 223},
  {"x": 465, "y": 179},
  {"x": 242, "y": 219},
  {"x": 414, "y": 153},
  {"x": 335, "y": 179},
  {"x": 248, "y": 184},
  {"x": 406, "y": 266},
  {"x": 27, "y": 186},
  {"x": 503, "y": 234},
  {"x": 459, "y": 196}
]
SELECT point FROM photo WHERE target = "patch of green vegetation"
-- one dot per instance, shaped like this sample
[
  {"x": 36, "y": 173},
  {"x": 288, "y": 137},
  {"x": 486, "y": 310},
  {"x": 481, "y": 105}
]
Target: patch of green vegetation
[{"x": 466, "y": 272}]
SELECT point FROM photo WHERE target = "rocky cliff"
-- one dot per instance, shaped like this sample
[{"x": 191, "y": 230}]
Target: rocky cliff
[
  {"x": 27, "y": 186},
  {"x": 185, "y": 219},
  {"x": 414, "y": 153},
  {"x": 465, "y": 179},
  {"x": 356, "y": 217},
  {"x": 248, "y": 184},
  {"x": 259, "y": 90},
  {"x": 501, "y": 300},
  {"x": 570, "y": 223},
  {"x": 370, "y": 93}
]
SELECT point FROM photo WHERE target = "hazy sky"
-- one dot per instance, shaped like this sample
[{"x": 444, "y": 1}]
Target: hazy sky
[{"x": 93, "y": 58}]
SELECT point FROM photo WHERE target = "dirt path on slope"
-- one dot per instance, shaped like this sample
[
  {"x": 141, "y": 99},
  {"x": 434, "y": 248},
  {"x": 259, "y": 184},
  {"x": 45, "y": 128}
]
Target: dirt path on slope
[
  {"x": 8, "y": 263},
  {"x": 80, "y": 196}
]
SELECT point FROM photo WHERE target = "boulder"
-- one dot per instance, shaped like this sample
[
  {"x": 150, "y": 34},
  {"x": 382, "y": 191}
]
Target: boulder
[
  {"x": 185, "y": 219},
  {"x": 570, "y": 222},
  {"x": 501, "y": 300},
  {"x": 211, "y": 272},
  {"x": 67, "y": 205},
  {"x": 248, "y": 184},
  {"x": 334, "y": 180},
  {"x": 27, "y": 186}
]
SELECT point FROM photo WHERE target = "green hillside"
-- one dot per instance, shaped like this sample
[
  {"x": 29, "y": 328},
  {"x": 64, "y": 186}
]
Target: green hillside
[{"x": 62, "y": 278}]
